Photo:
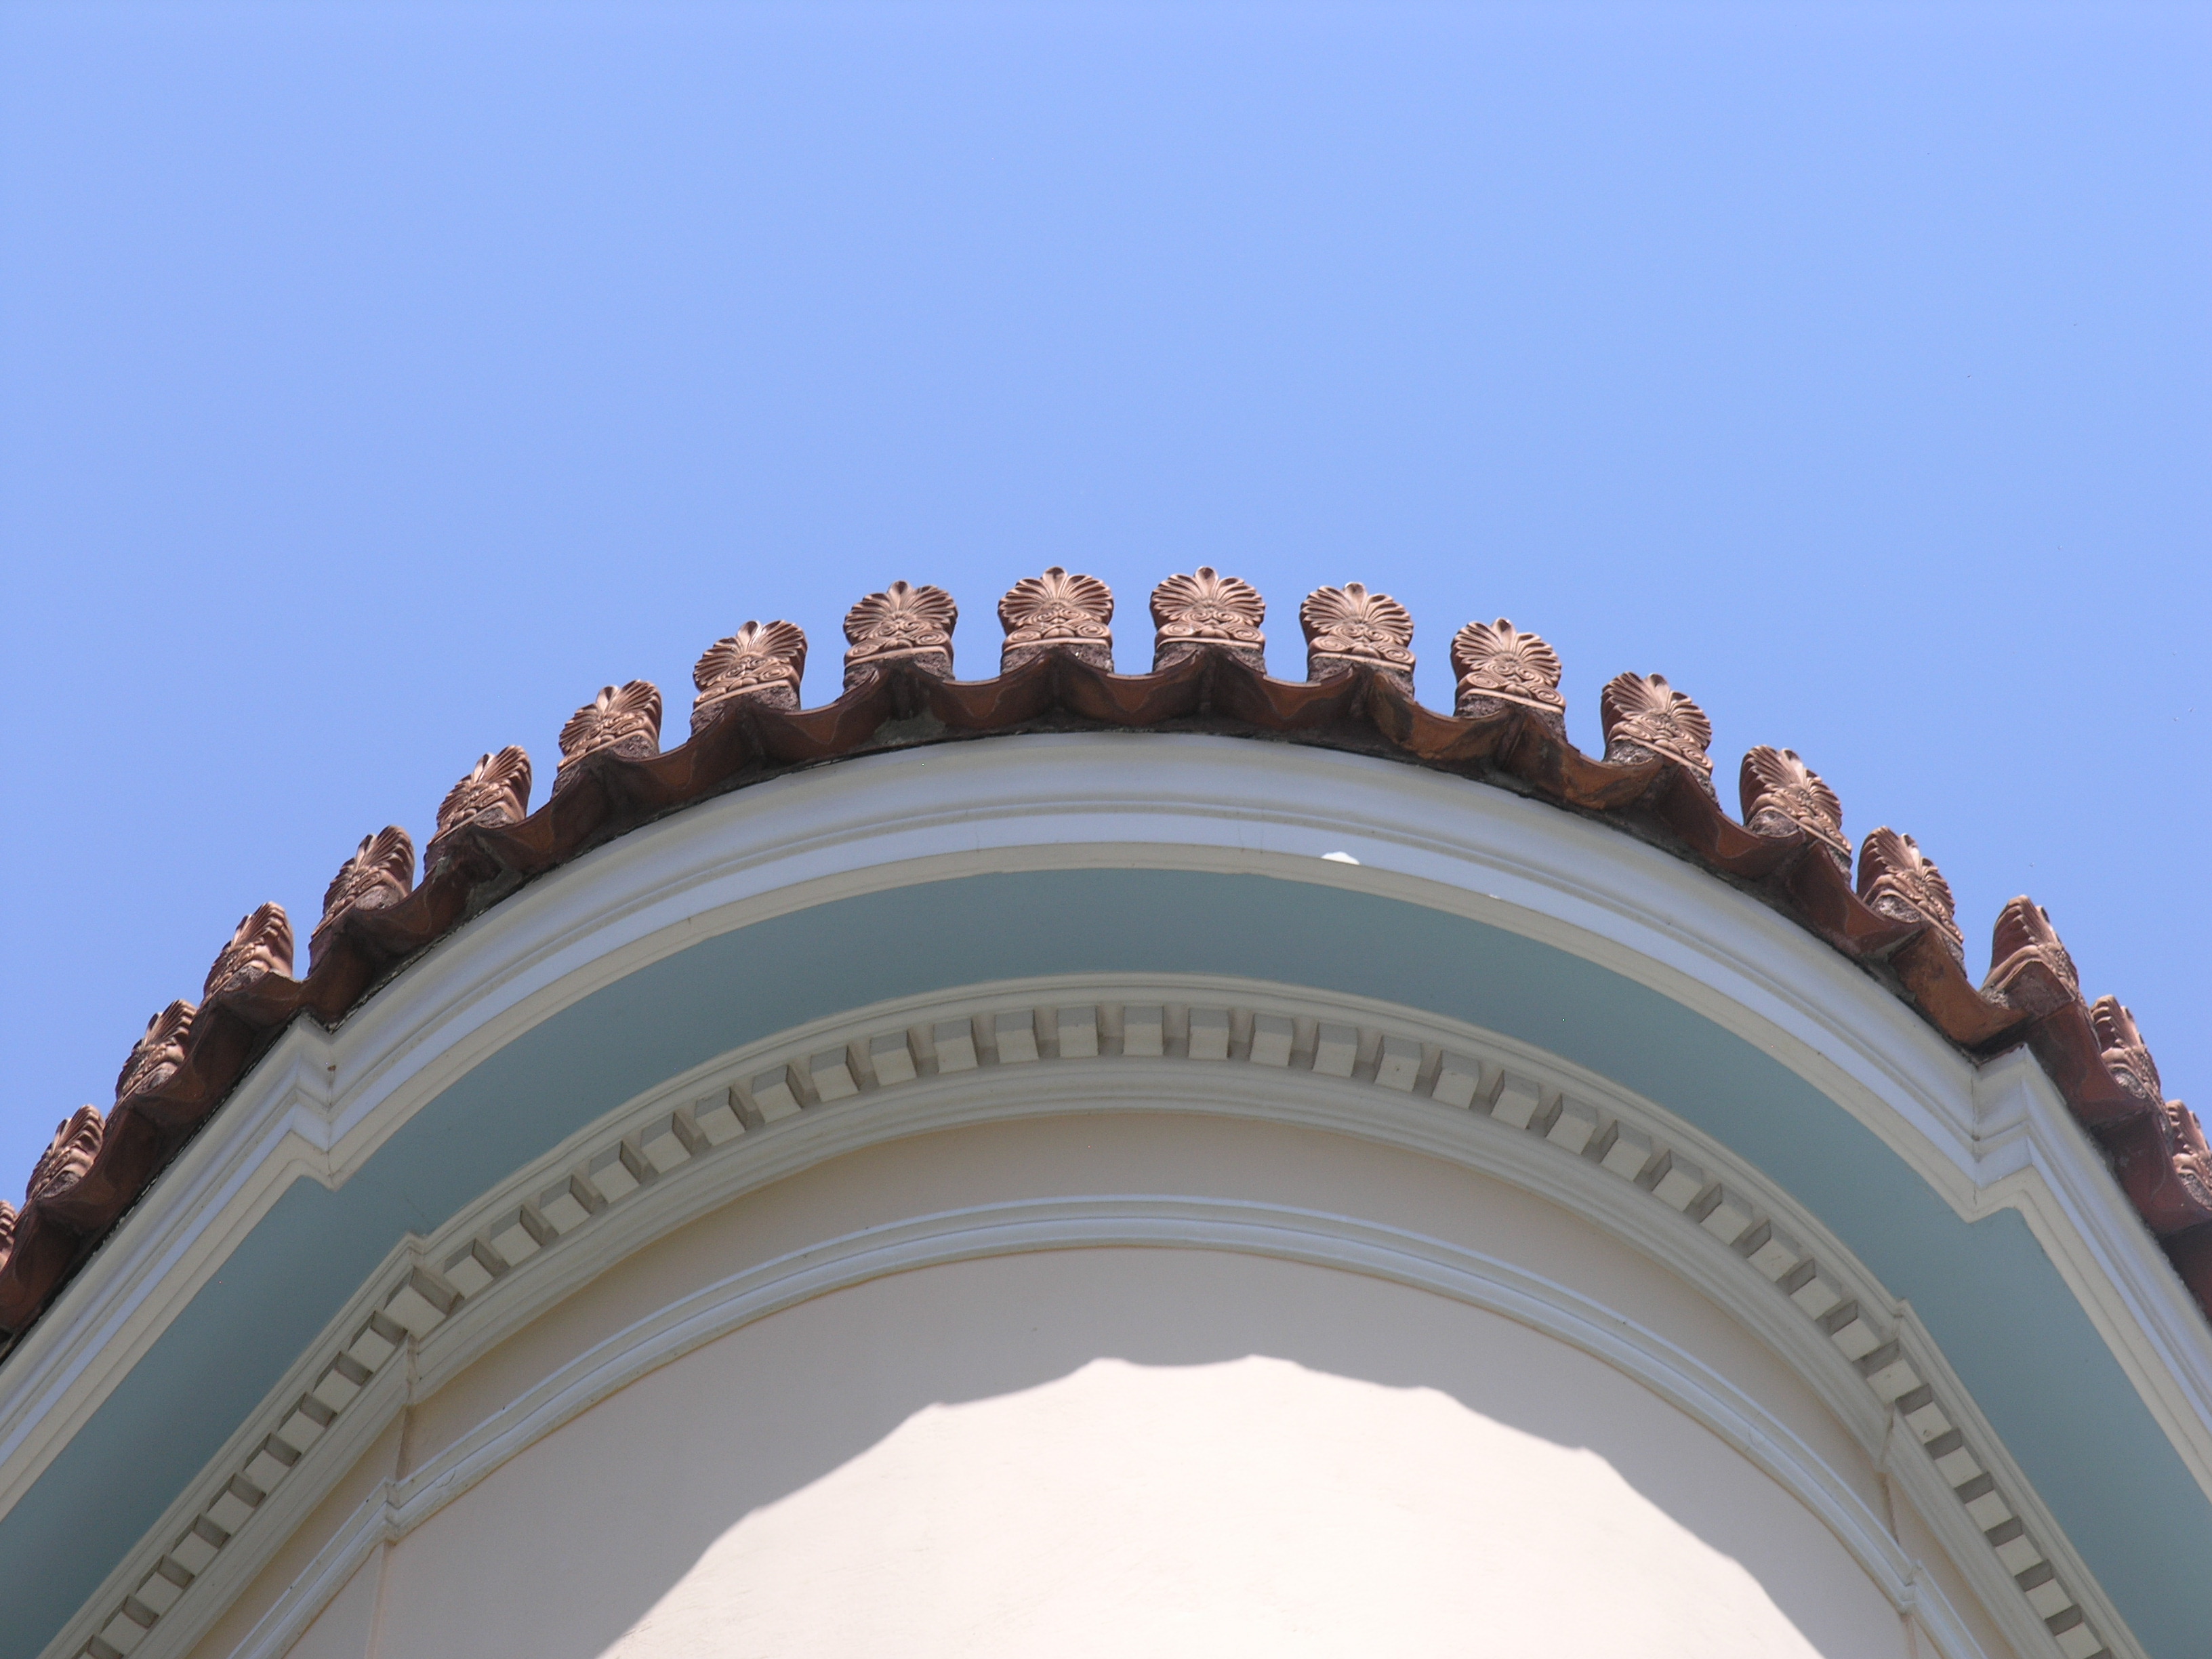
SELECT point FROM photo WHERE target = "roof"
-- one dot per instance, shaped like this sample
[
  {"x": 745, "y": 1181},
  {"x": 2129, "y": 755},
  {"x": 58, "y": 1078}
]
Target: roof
[{"x": 1056, "y": 673}]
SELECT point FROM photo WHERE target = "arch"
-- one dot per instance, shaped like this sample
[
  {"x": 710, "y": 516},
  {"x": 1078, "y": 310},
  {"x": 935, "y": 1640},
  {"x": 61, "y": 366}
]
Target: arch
[
  {"x": 1132, "y": 1283},
  {"x": 1007, "y": 870}
]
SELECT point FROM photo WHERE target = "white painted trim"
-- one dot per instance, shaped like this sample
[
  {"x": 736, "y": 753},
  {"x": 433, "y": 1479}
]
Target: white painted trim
[
  {"x": 1358, "y": 1106},
  {"x": 1312, "y": 1238},
  {"x": 320, "y": 1104}
]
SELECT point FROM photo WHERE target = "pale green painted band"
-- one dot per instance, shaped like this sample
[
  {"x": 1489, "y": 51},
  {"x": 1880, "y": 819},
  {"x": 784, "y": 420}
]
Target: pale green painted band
[{"x": 1986, "y": 1289}]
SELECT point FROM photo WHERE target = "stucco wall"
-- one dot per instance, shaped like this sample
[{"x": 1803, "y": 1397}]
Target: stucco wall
[{"x": 1174, "y": 1450}]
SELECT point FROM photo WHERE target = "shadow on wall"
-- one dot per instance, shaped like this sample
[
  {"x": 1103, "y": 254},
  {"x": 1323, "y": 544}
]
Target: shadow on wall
[{"x": 1113, "y": 1451}]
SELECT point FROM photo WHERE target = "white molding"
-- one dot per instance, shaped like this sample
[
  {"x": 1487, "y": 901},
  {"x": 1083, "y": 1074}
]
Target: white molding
[
  {"x": 1312, "y": 1238},
  {"x": 320, "y": 1104},
  {"x": 1358, "y": 1106}
]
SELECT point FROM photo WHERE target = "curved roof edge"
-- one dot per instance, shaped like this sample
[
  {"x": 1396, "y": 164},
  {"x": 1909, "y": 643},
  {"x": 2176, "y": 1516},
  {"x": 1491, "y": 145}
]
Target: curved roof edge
[{"x": 1509, "y": 731}]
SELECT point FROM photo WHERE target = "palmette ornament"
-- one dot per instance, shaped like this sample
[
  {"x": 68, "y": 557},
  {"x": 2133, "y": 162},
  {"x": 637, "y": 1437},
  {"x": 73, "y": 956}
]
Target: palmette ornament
[
  {"x": 1057, "y": 613},
  {"x": 68, "y": 1158},
  {"x": 1782, "y": 793},
  {"x": 1900, "y": 881},
  {"x": 623, "y": 720},
  {"x": 762, "y": 663},
  {"x": 262, "y": 944},
  {"x": 901, "y": 626},
  {"x": 1348, "y": 627},
  {"x": 381, "y": 873},
  {"x": 1645, "y": 718},
  {"x": 1207, "y": 611},
  {"x": 495, "y": 795},
  {"x": 157, "y": 1057},
  {"x": 1499, "y": 667}
]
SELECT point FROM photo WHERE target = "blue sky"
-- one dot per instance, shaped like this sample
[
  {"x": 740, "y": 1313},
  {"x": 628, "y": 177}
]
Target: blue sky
[{"x": 376, "y": 382}]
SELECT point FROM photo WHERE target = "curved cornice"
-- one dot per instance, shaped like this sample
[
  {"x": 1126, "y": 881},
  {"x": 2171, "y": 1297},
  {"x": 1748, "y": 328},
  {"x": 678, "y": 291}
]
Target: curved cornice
[
  {"x": 1417, "y": 1084},
  {"x": 1311, "y": 1237},
  {"x": 920, "y": 828},
  {"x": 1650, "y": 784}
]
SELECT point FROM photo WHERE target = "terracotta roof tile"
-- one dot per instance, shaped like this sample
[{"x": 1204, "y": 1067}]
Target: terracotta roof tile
[{"x": 1655, "y": 781}]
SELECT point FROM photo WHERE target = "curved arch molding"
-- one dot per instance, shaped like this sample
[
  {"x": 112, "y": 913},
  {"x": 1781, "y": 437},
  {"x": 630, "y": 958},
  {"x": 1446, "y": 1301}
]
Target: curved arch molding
[{"x": 1968, "y": 1197}]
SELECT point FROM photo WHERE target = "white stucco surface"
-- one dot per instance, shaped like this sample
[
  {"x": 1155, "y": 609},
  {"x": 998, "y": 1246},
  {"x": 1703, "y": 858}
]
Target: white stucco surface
[{"x": 1252, "y": 1507}]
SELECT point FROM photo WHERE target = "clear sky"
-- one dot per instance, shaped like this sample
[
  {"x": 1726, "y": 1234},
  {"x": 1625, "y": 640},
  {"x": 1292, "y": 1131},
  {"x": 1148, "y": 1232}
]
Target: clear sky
[{"x": 376, "y": 382}]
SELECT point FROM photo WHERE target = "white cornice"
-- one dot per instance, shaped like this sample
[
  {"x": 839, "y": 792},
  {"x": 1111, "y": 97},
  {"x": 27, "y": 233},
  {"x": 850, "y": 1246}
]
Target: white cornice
[
  {"x": 321, "y": 1105},
  {"x": 1404, "y": 1116},
  {"x": 1309, "y": 1236}
]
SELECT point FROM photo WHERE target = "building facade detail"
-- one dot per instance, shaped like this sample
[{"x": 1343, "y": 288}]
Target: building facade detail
[
  {"x": 623, "y": 722},
  {"x": 2011, "y": 1095},
  {"x": 495, "y": 795},
  {"x": 1350, "y": 629},
  {"x": 1498, "y": 664},
  {"x": 1193, "y": 613},
  {"x": 904, "y": 625},
  {"x": 1057, "y": 613},
  {"x": 761, "y": 663},
  {"x": 1557, "y": 1125},
  {"x": 381, "y": 873},
  {"x": 1783, "y": 796},
  {"x": 1645, "y": 718}
]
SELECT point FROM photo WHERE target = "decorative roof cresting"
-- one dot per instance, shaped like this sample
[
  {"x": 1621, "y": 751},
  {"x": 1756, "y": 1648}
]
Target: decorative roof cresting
[
  {"x": 1898, "y": 880},
  {"x": 1060, "y": 613},
  {"x": 902, "y": 624},
  {"x": 1496, "y": 664},
  {"x": 495, "y": 795},
  {"x": 381, "y": 873},
  {"x": 1348, "y": 627},
  {"x": 1508, "y": 727},
  {"x": 759, "y": 662},
  {"x": 1782, "y": 795},
  {"x": 622, "y": 721},
  {"x": 1207, "y": 610},
  {"x": 1646, "y": 719}
]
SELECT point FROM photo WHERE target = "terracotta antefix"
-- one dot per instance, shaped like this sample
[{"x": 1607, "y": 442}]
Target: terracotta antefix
[
  {"x": 261, "y": 944},
  {"x": 1348, "y": 627},
  {"x": 1498, "y": 666},
  {"x": 623, "y": 720},
  {"x": 495, "y": 793},
  {"x": 902, "y": 624},
  {"x": 1646, "y": 719},
  {"x": 1900, "y": 881},
  {"x": 1782, "y": 793},
  {"x": 68, "y": 1156},
  {"x": 761, "y": 663},
  {"x": 2024, "y": 949},
  {"x": 7, "y": 1229},
  {"x": 2125, "y": 1055},
  {"x": 157, "y": 1057},
  {"x": 2192, "y": 1158},
  {"x": 1204, "y": 611},
  {"x": 1057, "y": 612},
  {"x": 2165, "y": 1167},
  {"x": 381, "y": 873}
]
